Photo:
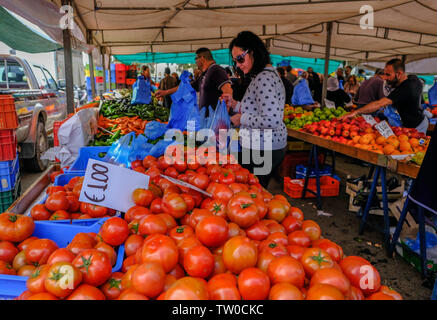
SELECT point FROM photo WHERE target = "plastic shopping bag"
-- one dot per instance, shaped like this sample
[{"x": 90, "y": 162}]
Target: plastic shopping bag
[
  {"x": 208, "y": 120},
  {"x": 141, "y": 91},
  {"x": 302, "y": 94},
  {"x": 160, "y": 147},
  {"x": 202, "y": 117},
  {"x": 393, "y": 118},
  {"x": 155, "y": 129},
  {"x": 184, "y": 104},
  {"x": 432, "y": 94}
]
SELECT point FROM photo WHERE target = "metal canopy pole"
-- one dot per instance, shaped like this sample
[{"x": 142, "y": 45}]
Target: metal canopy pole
[
  {"x": 327, "y": 56},
  {"x": 93, "y": 83},
  {"x": 68, "y": 61},
  {"x": 104, "y": 69},
  {"x": 109, "y": 75}
]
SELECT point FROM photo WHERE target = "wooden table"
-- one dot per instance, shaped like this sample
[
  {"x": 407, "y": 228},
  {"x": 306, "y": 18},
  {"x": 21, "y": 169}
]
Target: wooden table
[{"x": 400, "y": 167}]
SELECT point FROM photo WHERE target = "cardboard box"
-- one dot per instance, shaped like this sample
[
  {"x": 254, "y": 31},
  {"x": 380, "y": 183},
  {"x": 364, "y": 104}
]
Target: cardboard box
[{"x": 392, "y": 195}]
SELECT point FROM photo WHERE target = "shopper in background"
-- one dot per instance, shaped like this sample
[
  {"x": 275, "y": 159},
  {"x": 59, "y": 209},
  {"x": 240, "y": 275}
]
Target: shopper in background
[
  {"x": 335, "y": 94},
  {"x": 370, "y": 90},
  {"x": 315, "y": 85},
  {"x": 210, "y": 80},
  {"x": 176, "y": 76},
  {"x": 167, "y": 83},
  {"x": 261, "y": 111},
  {"x": 348, "y": 73},
  {"x": 288, "y": 86},
  {"x": 290, "y": 76},
  {"x": 406, "y": 97},
  {"x": 361, "y": 75},
  {"x": 352, "y": 86},
  {"x": 340, "y": 75}
]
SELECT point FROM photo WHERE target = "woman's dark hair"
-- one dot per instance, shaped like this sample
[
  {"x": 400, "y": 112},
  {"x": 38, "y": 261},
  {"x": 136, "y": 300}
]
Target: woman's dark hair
[{"x": 247, "y": 40}]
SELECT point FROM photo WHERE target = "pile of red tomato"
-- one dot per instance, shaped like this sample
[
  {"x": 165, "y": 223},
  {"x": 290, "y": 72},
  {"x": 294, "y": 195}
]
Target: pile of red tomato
[{"x": 241, "y": 243}]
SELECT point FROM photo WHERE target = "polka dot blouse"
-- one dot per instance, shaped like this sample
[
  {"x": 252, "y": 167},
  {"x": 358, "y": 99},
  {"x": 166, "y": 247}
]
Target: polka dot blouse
[{"x": 262, "y": 109}]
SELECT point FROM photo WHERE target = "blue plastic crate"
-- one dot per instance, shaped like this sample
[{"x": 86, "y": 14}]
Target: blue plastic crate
[
  {"x": 9, "y": 173},
  {"x": 13, "y": 286},
  {"x": 433, "y": 120},
  {"x": 301, "y": 170},
  {"x": 86, "y": 153}
]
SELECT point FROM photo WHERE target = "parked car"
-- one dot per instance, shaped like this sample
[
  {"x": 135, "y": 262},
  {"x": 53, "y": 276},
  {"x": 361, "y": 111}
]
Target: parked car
[{"x": 39, "y": 103}]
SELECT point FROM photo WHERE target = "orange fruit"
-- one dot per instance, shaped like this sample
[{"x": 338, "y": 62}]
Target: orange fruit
[
  {"x": 414, "y": 142},
  {"x": 380, "y": 140},
  {"x": 364, "y": 139},
  {"x": 403, "y": 137},
  {"x": 404, "y": 146},
  {"x": 388, "y": 149},
  {"x": 393, "y": 141},
  {"x": 356, "y": 139},
  {"x": 396, "y": 152}
]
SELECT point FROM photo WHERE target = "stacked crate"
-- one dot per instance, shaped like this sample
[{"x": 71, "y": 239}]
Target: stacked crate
[
  {"x": 120, "y": 75},
  {"x": 9, "y": 163}
]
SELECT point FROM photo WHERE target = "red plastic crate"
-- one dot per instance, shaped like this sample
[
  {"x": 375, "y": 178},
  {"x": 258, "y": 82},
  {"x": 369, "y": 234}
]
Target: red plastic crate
[
  {"x": 130, "y": 81},
  {"x": 99, "y": 79},
  {"x": 8, "y": 145},
  {"x": 120, "y": 67},
  {"x": 132, "y": 68},
  {"x": 120, "y": 79},
  {"x": 8, "y": 115},
  {"x": 329, "y": 187}
]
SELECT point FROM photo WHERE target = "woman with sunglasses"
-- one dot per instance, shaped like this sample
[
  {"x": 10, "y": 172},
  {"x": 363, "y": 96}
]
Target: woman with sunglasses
[{"x": 261, "y": 110}]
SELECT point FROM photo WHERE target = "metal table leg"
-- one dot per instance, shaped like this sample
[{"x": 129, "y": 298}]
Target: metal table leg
[
  {"x": 385, "y": 208},
  {"x": 370, "y": 199}
]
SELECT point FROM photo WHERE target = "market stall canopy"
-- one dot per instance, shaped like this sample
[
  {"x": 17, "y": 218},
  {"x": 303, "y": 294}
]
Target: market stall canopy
[
  {"x": 223, "y": 57},
  {"x": 295, "y": 27},
  {"x": 19, "y": 37},
  {"x": 423, "y": 66}
]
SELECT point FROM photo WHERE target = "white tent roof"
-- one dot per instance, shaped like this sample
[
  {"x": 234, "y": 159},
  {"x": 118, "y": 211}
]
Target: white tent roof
[{"x": 294, "y": 27}]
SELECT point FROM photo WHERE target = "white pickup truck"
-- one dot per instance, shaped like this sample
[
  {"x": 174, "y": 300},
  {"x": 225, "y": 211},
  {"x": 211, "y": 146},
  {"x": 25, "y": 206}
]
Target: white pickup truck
[{"x": 39, "y": 103}]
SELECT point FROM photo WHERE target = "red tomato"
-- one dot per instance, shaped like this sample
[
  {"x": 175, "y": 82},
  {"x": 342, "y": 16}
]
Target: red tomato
[
  {"x": 161, "y": 249},
  {"x": 279, "y": 238},
  {"x": 39, "y": 251},
  {"x": 380, "y": 296},
  {"x": 39, "y": 212},
  {"x": 258, "y": 231},
  {"x": 60, "y": 215},
  {"x": 152, "y": 224},
  {"x": 220, "y": 192},
  {"x": 60, "y": 255},
  {"x": 153, "y": 172},
  {"x": 291, "y": 224},
  {"x": 296, "y": 212},
  {"x": 177, "y": 272},
  {"x": 149, "y": 279},
  {"x": 15, "y": 228},
  {"x": 95, "y": 266},
  {"x": 115, "y": 231},
  {"x": 128, "y": 263},
  {"x": 136, "y": 213},
  {"x": 264, "y": 259},
  {"x": 112, "y": 288},
  {"x": 134, "y": 226},
  {"x": 23, "y": 245},
  {"x": 171, "y": 172},
  {"x": 26, "y": 270},
  {"x": 168, "y": 219},
  {"x": 132, "y": 244},
  {"x": 198, "y": 262},
  {"x": 126, "y": 280},
  {"x": 7, "y": 251},
  {"x": 43, "y": 296},
  {"x": 242, "y": 210},
  {"x": 197, "y": 196},
  {"x": 324, "y": 292},
  {"x": 333, "y": 249},
  {"x": 174, "y": 205},
  {"x": 296, "y": 252},
  {"x": 277, "y": 210},
  {"x": 285, "y": 291},
  {"x": 388, "y": 291},
  {"x": 220, "y": 287},
  {"x": 239, "y": 253},
  {"x": 196, "y": 216},
  {"x": 333, "y": 277},
  {"x": 140, "y": 169},
  {"x": 149, "y": 161},
  {"x": 286, "y": 269},
  {"x": 179, "y": 233},
  {"x": 276, "y": 249},
  {"x": 199, "y": 180},
  {"x": 253, "y": 284},
  {"x": 81, "y": 242},
  {"x": 97, "y": 211},
  {"x": 58, "y": 275},
  {"x": 106, "y": 248},
  {"x": 212, "y": 231},
  {"x": 217, "y": 207},
  {"x": 18, "y": 261},
  {"x": 57, "y": 201},
  {"x": 299, "y": 238},
  {"x": 74, "y": 204},
  {"x": 6, "y": 268},
  {"x": 188, "y": 288},
  {"x": 156, "y": 206},
  {"x": 235, "y": 230},
  {"x": 24, "y": 295},
  {"x": 312, "y": 229},
  {"x": 219, "y": 264},
  {"x": 354, "y": 294},
  {"x": 273, "y": 226},
  {"x": 142, "y": 197},
  {"x": 86, "y": 292},
  {"x": 314, "y": 259},
  {"x": 131, "y": 294},
  {"x": 53, "y": 189},
  {"x": 35, "y": 282},
  {"x": 186, "y": 244},
  {"x": 189, "y": 201},
  {"x": 361, "y": 274}
]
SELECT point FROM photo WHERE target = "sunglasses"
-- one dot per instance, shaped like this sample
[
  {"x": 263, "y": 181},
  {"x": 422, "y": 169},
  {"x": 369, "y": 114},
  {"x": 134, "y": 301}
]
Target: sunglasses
[{"x": 240, "y": 58}]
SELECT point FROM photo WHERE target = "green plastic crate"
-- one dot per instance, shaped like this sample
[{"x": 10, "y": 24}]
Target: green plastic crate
[
  {"x": 414, "y": 259},
  {"x": 7, "y": 198}
]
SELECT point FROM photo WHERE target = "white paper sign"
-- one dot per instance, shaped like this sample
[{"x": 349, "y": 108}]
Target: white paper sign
[
  {"x": 384, "y": 129},
  {"x": 111, "y": 186},
  {"x": 369, "y": 119},
  {"x": 329, "y": 104}
]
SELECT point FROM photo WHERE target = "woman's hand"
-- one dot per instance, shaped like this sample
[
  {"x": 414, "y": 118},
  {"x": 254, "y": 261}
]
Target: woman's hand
[
  {"x": 230, "y": 102},
  {"x": 235, "y": 119}
]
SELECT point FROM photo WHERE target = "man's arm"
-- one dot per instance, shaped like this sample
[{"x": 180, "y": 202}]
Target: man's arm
[
  {"x": 162, "y": 93},
  {"x": 369, "y": 108}
]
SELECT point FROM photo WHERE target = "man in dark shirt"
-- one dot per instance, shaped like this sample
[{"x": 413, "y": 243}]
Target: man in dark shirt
[
  {"x": 315, "y": 85},
  {"x": 290, "y": 76},
  {"x": 210, "y": 84},
  {"x": 287, "y": 85},
  {"x": 168, "y": 82},
  {"x": 405, "y": 97}
]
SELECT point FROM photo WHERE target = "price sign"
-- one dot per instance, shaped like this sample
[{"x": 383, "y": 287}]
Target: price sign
[
  {"x": 384, "y": 129},
  {"x": 111, "y": 186},
  {"x": 369, "y": 119},
  {"x": 329, "y": 104}
]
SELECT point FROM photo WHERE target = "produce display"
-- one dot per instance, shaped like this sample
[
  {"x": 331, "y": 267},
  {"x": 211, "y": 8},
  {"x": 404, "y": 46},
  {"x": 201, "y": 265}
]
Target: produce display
[
  {"x": 297, "y": 118},
  {"x": 360, "y": 134},
  {"x": 240, "y": 243}
]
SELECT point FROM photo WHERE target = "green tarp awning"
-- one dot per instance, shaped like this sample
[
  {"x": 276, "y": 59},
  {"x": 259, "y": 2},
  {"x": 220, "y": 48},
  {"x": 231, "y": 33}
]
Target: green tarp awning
[
  {"x": 19, "y": 37},
  {"x": 223, "y": 57}
]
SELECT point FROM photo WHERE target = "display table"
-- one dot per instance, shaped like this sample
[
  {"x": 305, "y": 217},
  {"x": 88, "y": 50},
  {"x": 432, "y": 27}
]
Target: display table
[{"x": 380, "y": 163}]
